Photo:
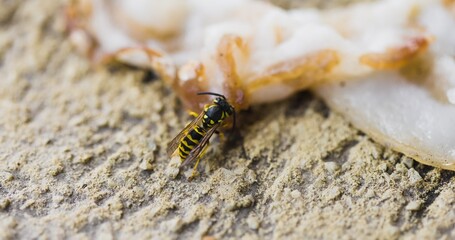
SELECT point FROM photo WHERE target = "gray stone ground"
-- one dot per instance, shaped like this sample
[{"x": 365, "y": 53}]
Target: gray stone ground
[{"x": 82, "y": 156}]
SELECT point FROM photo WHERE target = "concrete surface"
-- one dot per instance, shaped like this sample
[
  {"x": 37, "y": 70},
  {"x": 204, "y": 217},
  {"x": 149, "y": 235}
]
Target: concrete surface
[{"x": 82, "y": 156}]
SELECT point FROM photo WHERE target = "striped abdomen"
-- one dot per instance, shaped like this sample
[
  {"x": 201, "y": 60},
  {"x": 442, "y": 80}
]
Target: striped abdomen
[{"x": 190, "y": 141}]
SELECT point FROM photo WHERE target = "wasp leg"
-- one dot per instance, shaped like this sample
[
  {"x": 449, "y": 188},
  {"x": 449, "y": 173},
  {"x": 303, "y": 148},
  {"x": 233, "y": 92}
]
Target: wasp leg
[
  {"x": 193, "y": 114},
  {"x": 221, "y": 134},
  {"x": 193, "y": 174}
]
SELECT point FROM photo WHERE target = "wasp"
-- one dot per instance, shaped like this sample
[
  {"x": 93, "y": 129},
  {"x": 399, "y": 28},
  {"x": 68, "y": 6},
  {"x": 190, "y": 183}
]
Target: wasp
[{"x": 192, "y": 142}]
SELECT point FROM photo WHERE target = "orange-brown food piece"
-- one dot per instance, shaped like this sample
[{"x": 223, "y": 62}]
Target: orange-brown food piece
[
  {"x": 226, "y": 59},
  {"x": 191, "y": 80},
  {"x": 395, "y": 58},
  {"x": 299, "y": 72}
]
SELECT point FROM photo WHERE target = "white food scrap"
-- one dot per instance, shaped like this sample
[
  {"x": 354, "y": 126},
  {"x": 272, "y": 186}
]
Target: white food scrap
[{"x": 400, "y": 54}]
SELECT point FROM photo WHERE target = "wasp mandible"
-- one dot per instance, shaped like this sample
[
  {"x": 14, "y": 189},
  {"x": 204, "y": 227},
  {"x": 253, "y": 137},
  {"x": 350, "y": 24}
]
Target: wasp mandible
[{"x": 192, "y": 142}]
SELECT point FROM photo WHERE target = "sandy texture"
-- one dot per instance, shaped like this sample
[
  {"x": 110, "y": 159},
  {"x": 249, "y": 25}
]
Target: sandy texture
[{"x": 82, "y": 156}]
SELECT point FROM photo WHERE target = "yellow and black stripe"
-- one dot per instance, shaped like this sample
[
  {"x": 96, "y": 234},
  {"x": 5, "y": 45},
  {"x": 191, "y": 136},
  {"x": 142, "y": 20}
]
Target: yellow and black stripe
[
  {"x": 190, "y": 141},
  {"x": 194, "y": 138}
]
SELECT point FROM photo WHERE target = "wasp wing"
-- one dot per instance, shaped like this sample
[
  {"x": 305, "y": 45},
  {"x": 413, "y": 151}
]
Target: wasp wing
[
  {"x": 173, "y": 145},
  {"x": 200, "y": 147}
]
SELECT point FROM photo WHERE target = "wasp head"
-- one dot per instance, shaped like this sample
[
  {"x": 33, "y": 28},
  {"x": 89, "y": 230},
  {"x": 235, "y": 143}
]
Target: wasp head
[{"x": 224, "y": 105}]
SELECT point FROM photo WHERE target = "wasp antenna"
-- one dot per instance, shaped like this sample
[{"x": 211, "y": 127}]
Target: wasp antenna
[{"x": 211, "y": 93}]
